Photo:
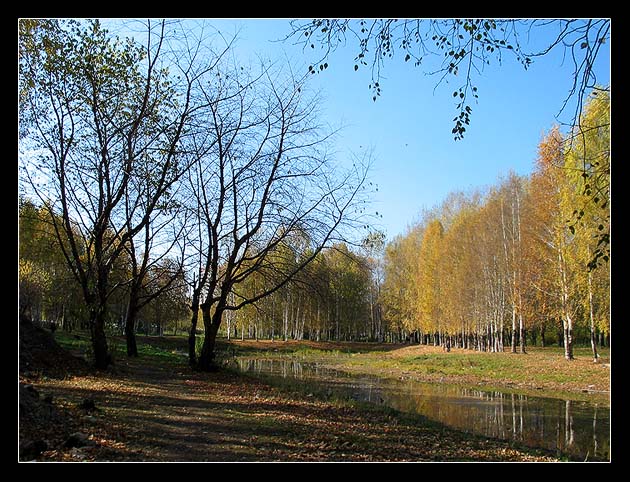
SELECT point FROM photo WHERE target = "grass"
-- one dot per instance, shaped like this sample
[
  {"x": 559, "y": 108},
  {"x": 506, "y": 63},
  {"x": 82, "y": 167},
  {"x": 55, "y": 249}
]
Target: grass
[{"x": 166, "y": 349}]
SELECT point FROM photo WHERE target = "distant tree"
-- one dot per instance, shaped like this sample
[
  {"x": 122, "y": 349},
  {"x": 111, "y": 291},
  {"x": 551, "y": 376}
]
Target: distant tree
[
  {"x": 166, "y": 294},
  {"x": 461, "y": 275},
  {"x": 512, "y": 200},
  {"x": 47, "y": 289},
  {"x": 400, "y": 278},
  {"x": 549, "y": 189},
  {"x": 588, "y": 159},
  {"x": 429, "y": 287},
  {"x": 588, "y": 166},
  {"x": 373, "y": 246},
  {"x": 349, "y": 292}
]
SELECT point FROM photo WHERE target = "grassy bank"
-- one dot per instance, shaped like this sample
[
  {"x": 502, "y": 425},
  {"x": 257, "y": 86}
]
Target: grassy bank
[
  {"x": 156, "y": 408},
  {"x": 541, "y": 372}
]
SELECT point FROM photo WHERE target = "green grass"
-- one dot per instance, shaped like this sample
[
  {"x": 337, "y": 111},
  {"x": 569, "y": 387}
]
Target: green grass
[{"x": 171, "y": 350}]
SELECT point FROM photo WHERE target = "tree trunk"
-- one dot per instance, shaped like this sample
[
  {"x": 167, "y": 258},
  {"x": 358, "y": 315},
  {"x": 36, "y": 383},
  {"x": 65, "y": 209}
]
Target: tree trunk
[
  {"x": 285, "y": 319},
  {"x": 192, "y": 335},
  {"x": 592, "y": 317},
  {"x": 130, "y": 324},
  {"x": 130, "y": 335},
  {"x": 567, "y": 324},
  {"x": 521, "y": 332},
  {"x": 534, "y": 336},
  {"x": 102, "y": 357},
  {"x": 211, "y": 325},
  {"x": 513, "y": 329}
]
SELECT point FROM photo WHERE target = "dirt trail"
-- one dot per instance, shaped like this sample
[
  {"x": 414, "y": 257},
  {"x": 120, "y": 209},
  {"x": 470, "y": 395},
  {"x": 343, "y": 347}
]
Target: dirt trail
[{"x": 151, "y": 412}]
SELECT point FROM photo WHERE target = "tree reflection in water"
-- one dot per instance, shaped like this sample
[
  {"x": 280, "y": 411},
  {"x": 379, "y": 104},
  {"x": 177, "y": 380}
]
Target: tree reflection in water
[{"x": 582, "y": 429}]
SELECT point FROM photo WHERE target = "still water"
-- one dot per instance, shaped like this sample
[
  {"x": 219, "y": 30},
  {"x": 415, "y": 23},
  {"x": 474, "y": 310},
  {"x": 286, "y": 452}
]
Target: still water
[{"x": 579, "y": 429}]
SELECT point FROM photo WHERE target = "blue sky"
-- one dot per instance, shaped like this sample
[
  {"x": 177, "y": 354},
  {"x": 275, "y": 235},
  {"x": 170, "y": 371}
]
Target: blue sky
[{"x": 416, "y": 161}]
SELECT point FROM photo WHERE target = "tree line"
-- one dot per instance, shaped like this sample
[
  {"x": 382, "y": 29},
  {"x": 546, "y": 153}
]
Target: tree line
[
  {"x": 163, "y": 179},
  {"x": 50, "y": 295},
  {"x": 334, "y": 298},
  {"x": 490, "y": 270}
]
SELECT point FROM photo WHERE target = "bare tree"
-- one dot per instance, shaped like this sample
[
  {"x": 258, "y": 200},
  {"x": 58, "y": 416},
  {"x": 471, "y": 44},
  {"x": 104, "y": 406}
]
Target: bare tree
[
  {"x": 147, "y": 267},
  {"x": 98, "y": 114},
  {"x": 264, "y": 179}
]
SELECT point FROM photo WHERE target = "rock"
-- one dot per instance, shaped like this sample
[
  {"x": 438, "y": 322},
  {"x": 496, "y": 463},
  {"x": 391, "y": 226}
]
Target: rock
[
  {"x": 79, "y": 439},
  {"x": 31, "y": 449},
  {"x": 88, "y": 404}
]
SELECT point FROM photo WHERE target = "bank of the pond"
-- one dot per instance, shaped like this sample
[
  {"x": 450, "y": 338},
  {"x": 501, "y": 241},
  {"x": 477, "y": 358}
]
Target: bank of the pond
[
  {"x": 156, "y": 409},
  {"x": 541, "y": 372}
]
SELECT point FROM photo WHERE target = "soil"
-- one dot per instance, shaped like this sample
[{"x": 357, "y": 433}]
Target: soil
[{"x": 40, "y": 354}]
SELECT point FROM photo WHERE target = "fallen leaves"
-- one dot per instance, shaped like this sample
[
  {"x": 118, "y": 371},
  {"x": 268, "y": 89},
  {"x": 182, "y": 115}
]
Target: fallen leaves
[{"x": 147, "y": 412}]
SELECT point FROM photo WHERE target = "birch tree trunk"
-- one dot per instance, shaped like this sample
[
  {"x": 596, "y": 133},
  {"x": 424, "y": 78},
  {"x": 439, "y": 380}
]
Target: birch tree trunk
[
  {"x": 567, "y": 320},
  {"x": 592, "y": 317},
  {"x": 521, "y": 332}
]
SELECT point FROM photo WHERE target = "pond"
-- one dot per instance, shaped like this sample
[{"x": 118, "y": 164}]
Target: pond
[{"x": 576, "y": 428}]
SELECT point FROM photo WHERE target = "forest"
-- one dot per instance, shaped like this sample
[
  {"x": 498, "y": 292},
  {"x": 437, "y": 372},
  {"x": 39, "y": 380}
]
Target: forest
[
  {"x": 171, "y": 199},
  {"x": 506, "y": 266}
]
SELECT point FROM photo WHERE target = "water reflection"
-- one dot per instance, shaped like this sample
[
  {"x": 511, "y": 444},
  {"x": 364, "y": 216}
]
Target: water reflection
[{"x": 581, "y": 429}]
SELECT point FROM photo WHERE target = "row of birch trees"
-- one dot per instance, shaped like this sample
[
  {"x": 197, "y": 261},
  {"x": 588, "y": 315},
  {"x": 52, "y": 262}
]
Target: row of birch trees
[{"x": 491, "y": 270}]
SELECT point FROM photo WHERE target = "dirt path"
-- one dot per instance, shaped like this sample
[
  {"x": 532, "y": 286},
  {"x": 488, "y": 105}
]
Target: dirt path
[{"x": 150, "y": 412}]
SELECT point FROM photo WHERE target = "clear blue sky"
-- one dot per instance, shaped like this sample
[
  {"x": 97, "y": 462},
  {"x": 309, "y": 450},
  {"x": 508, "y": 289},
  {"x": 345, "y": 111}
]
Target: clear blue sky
[{"x": 416, "y": 161}]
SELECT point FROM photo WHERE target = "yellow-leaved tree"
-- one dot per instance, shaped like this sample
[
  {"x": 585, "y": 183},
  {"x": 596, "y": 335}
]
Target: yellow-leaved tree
[
  {"x": 429, "y": 303},
  {"x": 400, "y": 280},
  {"x": 587, "y": 197}
]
